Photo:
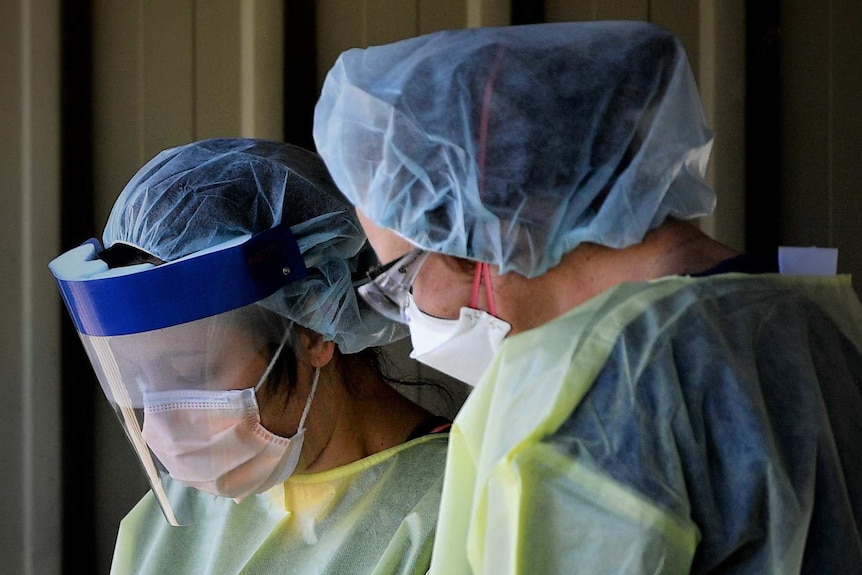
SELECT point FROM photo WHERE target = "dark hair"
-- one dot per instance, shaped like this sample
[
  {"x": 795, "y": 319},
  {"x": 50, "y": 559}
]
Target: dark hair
[
  {"x": 284, "y": 374},
  {"x": 120, "y": 255}
]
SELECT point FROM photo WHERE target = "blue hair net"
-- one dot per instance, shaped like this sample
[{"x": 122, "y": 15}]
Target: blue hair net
[
  {"x": 196, "y": 196},
  {"x": 513, "y": 145}
]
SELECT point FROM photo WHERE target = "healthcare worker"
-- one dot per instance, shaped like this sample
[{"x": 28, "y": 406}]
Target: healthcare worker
[
  {"x": 647, "y": 400},
  {"x": 222, "y": 321}
]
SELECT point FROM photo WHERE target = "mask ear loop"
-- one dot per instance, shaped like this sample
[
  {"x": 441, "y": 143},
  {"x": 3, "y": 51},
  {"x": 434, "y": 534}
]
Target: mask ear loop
[
  {"x": 314, "y": 381},
  {"x": 272, "y": 361},
  {"x": 483, "y": 270}
]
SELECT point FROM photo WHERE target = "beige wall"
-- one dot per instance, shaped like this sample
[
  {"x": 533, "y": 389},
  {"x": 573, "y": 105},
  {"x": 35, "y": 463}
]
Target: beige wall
[{"x": 30, "y": 485}]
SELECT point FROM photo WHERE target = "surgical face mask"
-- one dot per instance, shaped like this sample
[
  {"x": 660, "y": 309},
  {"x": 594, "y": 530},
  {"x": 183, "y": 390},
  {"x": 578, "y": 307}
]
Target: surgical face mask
[
  {"x": 461, "y": 348},
  {"x": 214, "y": 440}
]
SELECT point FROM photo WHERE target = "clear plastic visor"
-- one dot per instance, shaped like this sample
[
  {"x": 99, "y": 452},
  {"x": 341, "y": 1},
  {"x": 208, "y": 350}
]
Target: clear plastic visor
[{"x": 229, "y": 351}]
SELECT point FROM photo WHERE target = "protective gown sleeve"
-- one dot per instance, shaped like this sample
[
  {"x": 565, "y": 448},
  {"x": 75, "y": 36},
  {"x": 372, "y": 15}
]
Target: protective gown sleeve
[{"x": 685, "y": 425}]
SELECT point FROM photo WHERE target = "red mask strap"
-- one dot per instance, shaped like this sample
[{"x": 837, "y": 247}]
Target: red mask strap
[
  {"x": 483, "y": 268},
  {"x": 477, "y": 281},
  {"x": 483, "y": 271}
]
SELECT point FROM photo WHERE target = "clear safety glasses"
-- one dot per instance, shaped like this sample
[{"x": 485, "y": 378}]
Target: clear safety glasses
[{"x": 388, "y": 290}]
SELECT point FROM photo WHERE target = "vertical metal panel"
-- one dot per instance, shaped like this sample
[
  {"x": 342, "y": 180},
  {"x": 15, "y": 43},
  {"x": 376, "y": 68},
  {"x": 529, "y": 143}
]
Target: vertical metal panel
[
  {"x": 623, "y": 9},
  {"x": 805, "y": 103},
  {"x": 167, "y": 74},
  {"x": 488, "y": 13},
  {"x": 343, "y": 24},
  {"x": 390, "y": 20},
  {"x": 13, "y": 505},
  {"x": 682, "y": 18},
  {"x": 722, "y": 86},
  {"x": 143, "y": 88},
  {"x": 340, "y": 25},
  {"x": 117, "y": 99},
  {"x": 846, "y": 135},
  {"x": 569, "y": 10},
  {"x": 216, "y": 65},
  {"x": 585, "y": 10},
  {"x": 238, "y": 66},
  {"x": 441, "y": 15},
  {"x": 821, "y": 94},
  {"x": 261, "y": 61},
  {"x": 30, "y": 540}
]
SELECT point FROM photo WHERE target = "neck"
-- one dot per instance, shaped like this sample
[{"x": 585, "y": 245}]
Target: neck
[
  {"x": 674, "y": 248},
  {"x": 369, "y": 416}
]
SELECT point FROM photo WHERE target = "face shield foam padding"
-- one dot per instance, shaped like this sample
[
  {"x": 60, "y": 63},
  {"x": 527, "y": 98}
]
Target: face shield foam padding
[{"x": 513, "y": 145}]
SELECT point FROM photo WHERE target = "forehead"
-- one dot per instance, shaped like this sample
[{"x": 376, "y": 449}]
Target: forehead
[{"x": 387, "y": 244}]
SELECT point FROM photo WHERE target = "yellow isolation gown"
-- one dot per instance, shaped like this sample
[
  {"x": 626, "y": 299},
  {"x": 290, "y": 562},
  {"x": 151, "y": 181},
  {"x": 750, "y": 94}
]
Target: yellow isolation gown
[
  {"x": 376, "y": 515},
  {"x": 703, "y": 425}
]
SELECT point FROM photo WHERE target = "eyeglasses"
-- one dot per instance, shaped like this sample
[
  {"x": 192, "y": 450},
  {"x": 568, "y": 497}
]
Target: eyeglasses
[{"x": 390, "y": 284}]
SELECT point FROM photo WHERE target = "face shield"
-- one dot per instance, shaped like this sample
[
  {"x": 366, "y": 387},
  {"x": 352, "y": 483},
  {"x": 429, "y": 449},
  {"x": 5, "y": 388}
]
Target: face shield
[{"x": 197, "y": 332}]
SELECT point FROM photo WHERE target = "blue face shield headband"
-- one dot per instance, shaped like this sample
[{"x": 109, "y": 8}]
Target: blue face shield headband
[{"x": 141, "y": 298}]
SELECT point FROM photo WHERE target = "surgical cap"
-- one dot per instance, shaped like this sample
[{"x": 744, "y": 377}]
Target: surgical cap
[
  {"x": 513, "y": 145},
  {"x": 194, "y": 197}
]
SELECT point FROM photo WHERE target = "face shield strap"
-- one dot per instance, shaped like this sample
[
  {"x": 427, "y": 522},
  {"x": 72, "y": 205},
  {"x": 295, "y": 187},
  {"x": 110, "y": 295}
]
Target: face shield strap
[{"x": 143, "y": 298}]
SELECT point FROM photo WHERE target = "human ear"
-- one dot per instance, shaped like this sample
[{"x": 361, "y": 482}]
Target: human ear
[{"x": 318, "y": 351}]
